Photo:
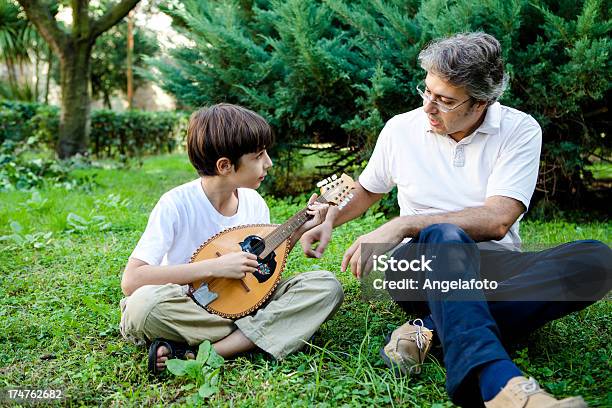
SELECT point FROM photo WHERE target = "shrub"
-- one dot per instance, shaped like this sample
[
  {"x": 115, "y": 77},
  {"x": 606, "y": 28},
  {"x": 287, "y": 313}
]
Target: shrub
[
  {"x": 14, "y": 120},
  {"x": 18, "y": 171},
  {"x": 336, "y": 70},
  {"x": 113, "y": 134},
  {"x": 134, "y": 133}
]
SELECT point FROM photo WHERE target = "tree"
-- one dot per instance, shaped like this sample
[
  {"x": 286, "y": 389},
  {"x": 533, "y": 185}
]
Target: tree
[
  {"x": 20, "y": 44},
  {"x": 74, "y": 51},
  {"x": 108, "y": 57}
]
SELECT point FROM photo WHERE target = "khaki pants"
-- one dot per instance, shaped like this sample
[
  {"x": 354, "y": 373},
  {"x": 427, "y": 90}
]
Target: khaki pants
[{"x": 296, "y": 309}]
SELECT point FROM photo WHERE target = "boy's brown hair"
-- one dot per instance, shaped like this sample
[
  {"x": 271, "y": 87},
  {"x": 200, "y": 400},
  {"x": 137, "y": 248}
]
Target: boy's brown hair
[{"x": 225, "y": 130}]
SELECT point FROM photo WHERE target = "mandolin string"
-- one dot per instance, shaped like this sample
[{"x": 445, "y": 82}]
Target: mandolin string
[
  {"x": 258, "y": 245},
  {"x": 289, "y": 223},
  {"x": 320, "y": 199}
]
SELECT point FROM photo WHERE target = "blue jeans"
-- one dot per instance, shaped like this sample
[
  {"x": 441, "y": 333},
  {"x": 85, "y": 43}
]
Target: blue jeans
[{"x": 472, "y": 332}]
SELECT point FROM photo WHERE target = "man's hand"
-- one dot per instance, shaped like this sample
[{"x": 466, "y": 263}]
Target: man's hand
[
  {"x": 234, "y": 265},
  {"x": 321, "y": 234},
  {"x": 386, "y": 236}
]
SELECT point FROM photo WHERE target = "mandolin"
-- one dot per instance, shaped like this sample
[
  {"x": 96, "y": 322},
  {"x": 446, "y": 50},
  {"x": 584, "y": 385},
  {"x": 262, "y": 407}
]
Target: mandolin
[{"x": 235, "y": 298}]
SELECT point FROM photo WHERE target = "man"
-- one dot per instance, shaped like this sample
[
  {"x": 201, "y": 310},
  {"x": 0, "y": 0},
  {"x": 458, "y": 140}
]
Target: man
[{"x": 466, "y": 168}]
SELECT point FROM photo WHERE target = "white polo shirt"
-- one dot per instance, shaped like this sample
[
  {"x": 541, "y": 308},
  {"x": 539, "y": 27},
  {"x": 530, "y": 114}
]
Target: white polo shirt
[
  {"x": 184, "y": 218},
  {"x": 435, "y": 174}
]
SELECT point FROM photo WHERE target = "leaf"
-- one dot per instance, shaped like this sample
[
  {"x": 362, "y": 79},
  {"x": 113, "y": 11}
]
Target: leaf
[
  {"x": 77, "y": 222},
  {"x": 193, "y": 369},
  {"x": 213, "y": 377},
  {"x": 207, "y": 390},
  {"x": 188, "y": 387},
  {"x": 204, "y": 351},
  {"x": 16, "y": 227},
  {"x": 195, "y": 400},
  {"x": 176, "y": 367},
  {"x": 215, "y": 360},
  {"x": 73, "y": 218}
]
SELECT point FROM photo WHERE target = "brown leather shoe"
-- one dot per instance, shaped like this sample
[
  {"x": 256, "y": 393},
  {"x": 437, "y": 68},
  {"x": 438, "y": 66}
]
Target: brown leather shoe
[
  {"x": 407, "y": 347},
  {"x": 521, "y": 392}
]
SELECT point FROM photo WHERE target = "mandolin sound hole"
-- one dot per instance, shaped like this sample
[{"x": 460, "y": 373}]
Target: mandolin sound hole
[{"x": 255, "y": 245}]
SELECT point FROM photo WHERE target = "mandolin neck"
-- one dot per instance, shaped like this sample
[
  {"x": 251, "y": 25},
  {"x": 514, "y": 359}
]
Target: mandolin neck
[{"x": 284, "y": 231}]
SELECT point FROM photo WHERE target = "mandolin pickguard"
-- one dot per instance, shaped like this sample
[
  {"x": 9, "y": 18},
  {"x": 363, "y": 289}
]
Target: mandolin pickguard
[{"x": 255, "y": 245}]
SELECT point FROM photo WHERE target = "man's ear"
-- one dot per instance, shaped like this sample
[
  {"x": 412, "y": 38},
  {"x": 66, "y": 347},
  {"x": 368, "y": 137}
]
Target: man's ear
[
  {"x": 224, "y": 166},
  {"x": 480, "y": 106}
]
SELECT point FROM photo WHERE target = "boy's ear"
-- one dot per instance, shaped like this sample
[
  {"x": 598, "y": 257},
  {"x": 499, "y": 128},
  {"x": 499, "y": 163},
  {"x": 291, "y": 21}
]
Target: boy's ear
[{"x": 224, "y": 166}]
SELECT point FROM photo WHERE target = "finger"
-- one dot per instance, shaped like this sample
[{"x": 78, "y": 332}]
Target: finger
[
  {"x": 347, "y": 256},
  {"x": 250, "y": 255},
  {"x": 307, "y": 248},
  {"x": 322, "y": 245},
  {"x": 307, "y": 241},
  {"x": 312, "y": 198},
  {"x": 316, "y": 217},
  {"x": 252, "y": 264},
  {"x": 354, "y": 263}
]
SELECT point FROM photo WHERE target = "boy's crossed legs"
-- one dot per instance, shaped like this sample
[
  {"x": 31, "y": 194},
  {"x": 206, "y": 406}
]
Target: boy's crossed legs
[{"x": 295, "y": 311}]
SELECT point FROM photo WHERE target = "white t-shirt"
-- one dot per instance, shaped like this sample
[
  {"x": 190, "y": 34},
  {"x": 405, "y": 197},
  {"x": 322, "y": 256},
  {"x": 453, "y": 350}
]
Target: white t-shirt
[
  {"x": 435, "y": 174},
  {"x": 183, "y": 219}
]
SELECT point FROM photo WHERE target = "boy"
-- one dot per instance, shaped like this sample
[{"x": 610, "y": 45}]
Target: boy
[{"x": 227, "y": 146}]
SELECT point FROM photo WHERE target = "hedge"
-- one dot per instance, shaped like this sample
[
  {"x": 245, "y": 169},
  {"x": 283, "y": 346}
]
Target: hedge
[{"x": 113, "y": 134}]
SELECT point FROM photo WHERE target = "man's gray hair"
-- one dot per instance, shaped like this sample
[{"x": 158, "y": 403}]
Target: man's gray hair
[{"x": 470, "y": 60}]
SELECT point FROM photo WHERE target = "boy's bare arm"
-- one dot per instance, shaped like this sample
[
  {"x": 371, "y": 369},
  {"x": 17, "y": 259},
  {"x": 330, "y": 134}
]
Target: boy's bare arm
[{"x": 234, "y": 265}]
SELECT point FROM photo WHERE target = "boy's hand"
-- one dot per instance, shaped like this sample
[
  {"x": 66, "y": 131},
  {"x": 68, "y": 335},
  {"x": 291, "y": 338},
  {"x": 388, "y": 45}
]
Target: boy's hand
[
  {"x": 234, "y": 265},
  {"x": 318, "y": 212}
]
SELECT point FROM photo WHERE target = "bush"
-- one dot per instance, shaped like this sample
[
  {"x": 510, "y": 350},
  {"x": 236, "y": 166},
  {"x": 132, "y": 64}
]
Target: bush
[
  {"x": 336, "y": 70},
  {"x": 113, "y": 134},
  {"x": 19, "y": 171},
  {"x": 134, "y": 133},
  {"x": 15, "y": 120}
]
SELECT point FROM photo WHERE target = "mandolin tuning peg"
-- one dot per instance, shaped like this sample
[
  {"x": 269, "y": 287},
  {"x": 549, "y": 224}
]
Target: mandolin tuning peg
[
  {"x": 351, "y": 196},
  {"x": 334, "y": 177},
  {"x": 322, "y": 183}
]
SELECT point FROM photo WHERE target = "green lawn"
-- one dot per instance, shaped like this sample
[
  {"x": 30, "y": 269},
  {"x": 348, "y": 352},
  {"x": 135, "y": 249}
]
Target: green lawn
[{"x": 59, "y": 313}]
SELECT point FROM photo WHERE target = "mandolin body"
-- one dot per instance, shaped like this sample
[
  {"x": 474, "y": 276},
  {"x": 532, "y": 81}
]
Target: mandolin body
[{"x": 236, "y": 298}]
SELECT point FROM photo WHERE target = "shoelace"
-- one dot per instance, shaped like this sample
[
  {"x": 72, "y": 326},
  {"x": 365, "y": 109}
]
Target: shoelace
[
  {"x": 530, "y": 386},
  {"x": 419, "y": 338}
]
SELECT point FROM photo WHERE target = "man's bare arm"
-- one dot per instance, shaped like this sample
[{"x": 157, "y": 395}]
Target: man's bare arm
[
  {"x": 490, "y": 221},
  {"x": 359, "y": 204}
]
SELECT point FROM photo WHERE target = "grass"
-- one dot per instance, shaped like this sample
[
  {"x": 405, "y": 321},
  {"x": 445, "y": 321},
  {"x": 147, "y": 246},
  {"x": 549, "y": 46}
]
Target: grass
[{"x": 59, "y": 313}]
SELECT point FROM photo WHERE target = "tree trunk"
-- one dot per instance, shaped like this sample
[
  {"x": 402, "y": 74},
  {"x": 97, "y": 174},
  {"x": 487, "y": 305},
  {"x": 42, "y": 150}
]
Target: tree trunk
[
  {"x": 130, "y": 52},
  {"x": 49, "y": 70},
  {"x": 74, "y": 120},
  {"x": 107, "y": 101},
  {"x": 37, "y": 81}
]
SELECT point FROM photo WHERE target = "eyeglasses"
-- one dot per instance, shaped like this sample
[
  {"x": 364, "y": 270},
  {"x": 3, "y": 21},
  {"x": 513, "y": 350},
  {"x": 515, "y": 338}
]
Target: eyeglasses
[{"x": 441, "y": 105}]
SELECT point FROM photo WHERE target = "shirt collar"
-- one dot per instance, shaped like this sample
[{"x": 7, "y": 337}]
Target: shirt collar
[
  {"x": 492, "y": 120},
  {"x": 490, "y": 124}
]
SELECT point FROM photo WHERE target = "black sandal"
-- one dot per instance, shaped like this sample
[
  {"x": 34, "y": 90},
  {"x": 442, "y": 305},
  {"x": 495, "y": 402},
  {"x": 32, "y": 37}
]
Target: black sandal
[{"x": 177, "y": 350}]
